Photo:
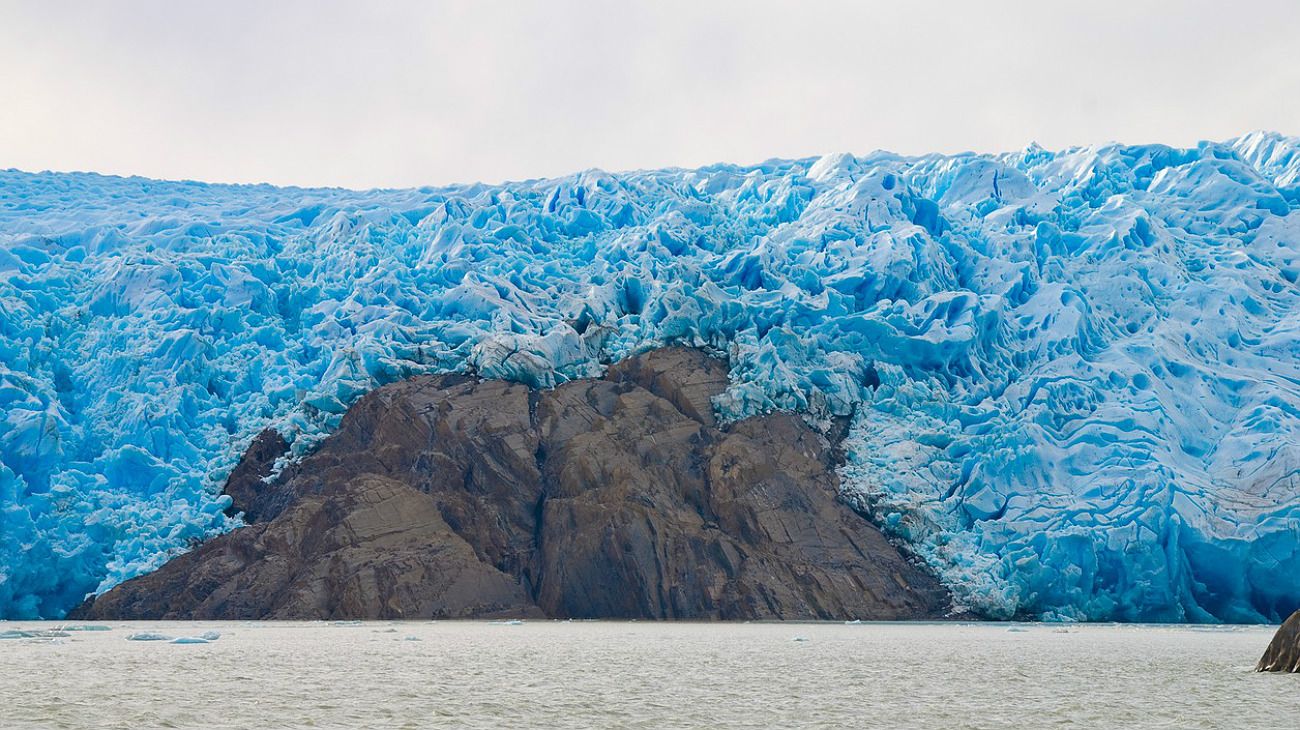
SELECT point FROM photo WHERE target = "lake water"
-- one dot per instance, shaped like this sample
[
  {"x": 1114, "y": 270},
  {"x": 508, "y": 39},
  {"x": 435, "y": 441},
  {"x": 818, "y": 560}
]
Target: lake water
[{"x": 609, "y": 674}]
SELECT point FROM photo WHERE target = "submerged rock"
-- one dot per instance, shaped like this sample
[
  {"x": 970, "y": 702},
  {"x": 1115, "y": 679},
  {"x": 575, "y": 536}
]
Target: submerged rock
[
  {"x": 1283, "y": 653},
  {"x": 620, "y": 497}
]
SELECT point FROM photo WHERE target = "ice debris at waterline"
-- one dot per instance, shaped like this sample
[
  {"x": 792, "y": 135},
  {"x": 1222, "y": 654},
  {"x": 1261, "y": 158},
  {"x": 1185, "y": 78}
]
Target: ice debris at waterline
[{"x": 1073, "y": 375}]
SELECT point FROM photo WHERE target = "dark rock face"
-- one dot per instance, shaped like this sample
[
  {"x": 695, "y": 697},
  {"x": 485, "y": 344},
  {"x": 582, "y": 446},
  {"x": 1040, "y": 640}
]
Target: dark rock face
[
  {"x": 446, "y": 497},
  {"x": 245, "y": 483},
  {"x": 1283, "y": 653}
]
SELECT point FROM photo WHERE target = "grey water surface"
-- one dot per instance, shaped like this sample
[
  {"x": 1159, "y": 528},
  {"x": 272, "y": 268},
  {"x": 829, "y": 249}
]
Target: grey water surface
[{"x": 650, "y": 675}]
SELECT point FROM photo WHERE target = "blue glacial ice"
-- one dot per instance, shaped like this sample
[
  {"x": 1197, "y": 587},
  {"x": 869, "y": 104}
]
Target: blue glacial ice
[{"x": 1072, "y": 376}]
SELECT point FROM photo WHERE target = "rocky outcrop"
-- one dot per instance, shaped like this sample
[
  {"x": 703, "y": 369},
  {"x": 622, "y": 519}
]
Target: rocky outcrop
[
  {"x": 1283, "y": 653},
  {"x": 247, "y": 481},
  {"x": 620, "y": 497}
]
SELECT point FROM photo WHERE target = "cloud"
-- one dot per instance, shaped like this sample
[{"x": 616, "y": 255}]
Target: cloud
[{"x": 410, "y": 93}]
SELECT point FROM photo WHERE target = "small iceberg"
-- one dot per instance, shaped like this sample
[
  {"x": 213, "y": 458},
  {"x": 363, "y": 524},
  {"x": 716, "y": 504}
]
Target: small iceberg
[
  {"x": 148, "y": 636},
  {"x": 511, "y": 622},
  {"x": 412, "y": 638},
  {"x": 207, "y": 637},
  {"x": 800, "y": 638},
  {"x": 45, "y": 634},
  {"x": 87, "y": 627}
]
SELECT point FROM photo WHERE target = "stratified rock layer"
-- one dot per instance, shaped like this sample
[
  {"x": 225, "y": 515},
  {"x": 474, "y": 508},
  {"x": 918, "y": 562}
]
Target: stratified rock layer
[
  {"x": 1283, "y": 653},
  {"x": 447, "y": 496}
]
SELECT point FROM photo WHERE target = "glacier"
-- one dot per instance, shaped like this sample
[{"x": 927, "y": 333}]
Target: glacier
[{"x": 1072, "y": 376}]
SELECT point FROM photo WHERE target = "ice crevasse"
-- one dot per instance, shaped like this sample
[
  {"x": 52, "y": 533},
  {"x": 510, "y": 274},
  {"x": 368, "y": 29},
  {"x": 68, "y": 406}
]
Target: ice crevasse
[{"x": 1072, "y": 376}]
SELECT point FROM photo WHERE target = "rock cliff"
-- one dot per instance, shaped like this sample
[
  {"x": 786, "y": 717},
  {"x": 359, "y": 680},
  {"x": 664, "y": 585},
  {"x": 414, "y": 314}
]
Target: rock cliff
[
  {"x": 1283, "y": 653},
  {"x": 619, "y": 497}
]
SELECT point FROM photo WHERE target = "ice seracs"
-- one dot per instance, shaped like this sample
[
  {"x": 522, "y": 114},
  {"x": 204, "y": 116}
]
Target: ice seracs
[{"x": 1072, "y": 375}]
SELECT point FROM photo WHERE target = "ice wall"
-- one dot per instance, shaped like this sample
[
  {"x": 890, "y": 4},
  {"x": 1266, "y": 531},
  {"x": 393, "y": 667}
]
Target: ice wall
[{"x": 1072, "y": 375}]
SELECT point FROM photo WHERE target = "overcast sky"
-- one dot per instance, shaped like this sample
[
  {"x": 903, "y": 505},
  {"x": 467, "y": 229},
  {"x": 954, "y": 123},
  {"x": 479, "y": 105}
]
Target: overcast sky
[{"x": 408, "y": 93}]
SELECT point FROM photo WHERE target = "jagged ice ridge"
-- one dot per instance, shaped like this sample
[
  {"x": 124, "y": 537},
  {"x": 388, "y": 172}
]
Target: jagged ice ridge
[{"x": 1072, "y": 376}]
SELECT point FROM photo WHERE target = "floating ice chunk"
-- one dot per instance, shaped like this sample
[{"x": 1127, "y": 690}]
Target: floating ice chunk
[
  {"x": 148, "y": 636},
  {"x": 206, "y": 637}
]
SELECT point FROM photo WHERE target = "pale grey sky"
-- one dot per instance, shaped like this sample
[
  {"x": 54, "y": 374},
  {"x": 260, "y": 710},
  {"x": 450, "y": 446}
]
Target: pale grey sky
[{"x": 379, "y": 93}]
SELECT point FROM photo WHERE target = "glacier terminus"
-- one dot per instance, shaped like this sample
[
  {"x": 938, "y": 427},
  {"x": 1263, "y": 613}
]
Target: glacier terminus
[{"x": 1072, "y": 377}]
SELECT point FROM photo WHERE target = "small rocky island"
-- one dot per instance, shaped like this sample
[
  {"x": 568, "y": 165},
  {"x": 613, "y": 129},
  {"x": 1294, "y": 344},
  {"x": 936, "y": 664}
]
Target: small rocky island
[
  {"x": 1283, "y": 653},
  {"x": 620, "y": 497}
]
